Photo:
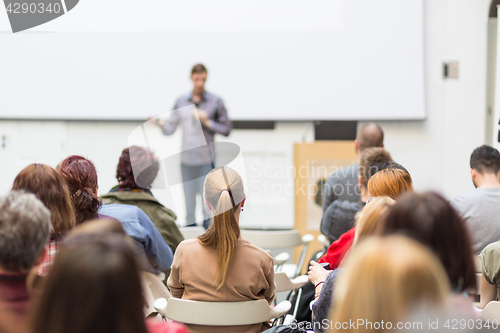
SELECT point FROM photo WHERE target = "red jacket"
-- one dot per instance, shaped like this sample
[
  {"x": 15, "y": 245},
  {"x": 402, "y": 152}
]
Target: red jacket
[{"x": 338, "y": 249}]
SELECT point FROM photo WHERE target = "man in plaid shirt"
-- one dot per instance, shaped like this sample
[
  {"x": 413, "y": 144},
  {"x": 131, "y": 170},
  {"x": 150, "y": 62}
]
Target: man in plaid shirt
[
  {"x": 197, "y": 159},
  {"x": 51, "y": 248}
]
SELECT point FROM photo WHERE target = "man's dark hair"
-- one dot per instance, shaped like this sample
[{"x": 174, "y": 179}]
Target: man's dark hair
[
  {"x": 198, "y": 68},
  {"x": 385, "y": 165},
  {"x": 370, "y": 158},
  {"x": 485, "y": 159}
]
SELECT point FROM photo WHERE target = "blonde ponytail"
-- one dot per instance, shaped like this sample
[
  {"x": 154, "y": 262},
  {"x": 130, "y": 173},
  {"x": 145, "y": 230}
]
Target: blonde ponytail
[{"x": 223, "y": 192}]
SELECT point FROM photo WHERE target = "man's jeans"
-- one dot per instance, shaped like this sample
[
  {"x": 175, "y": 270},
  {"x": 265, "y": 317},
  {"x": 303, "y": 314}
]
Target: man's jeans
[{"x": 193, "y": 177}]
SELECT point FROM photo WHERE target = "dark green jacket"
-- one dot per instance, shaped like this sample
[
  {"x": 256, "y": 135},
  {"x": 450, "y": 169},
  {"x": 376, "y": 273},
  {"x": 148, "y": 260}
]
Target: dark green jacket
[{"x": 162, "y": 217}]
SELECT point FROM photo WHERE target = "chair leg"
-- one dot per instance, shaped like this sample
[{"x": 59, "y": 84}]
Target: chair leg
[
  {"x": 299, "y": 295},
  {"x": 302, "y": 258},
  {"x": 289, "y": 318}
]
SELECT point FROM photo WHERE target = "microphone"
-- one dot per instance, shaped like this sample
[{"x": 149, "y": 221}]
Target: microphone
[{"x": 195, "y": 118}]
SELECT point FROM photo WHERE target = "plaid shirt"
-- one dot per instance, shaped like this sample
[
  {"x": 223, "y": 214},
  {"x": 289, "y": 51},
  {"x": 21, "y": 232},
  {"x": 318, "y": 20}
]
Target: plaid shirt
[
  {"x": 43, "y": 268},
  {"x": 195, "y": 142}
]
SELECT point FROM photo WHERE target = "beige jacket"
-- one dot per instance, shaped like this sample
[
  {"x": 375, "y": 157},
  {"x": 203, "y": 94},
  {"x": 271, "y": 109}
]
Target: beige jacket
[{"x": 250, "y": 276}]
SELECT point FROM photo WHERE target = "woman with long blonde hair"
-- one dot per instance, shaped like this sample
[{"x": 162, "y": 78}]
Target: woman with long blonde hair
[
  {"x": 384, "y": 279},
  {"x": 219, "y": 266}
]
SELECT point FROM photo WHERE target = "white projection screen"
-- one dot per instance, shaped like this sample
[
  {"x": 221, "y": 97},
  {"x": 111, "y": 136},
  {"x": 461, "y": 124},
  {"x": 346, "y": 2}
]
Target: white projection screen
[{"x": 267, "y": 59}]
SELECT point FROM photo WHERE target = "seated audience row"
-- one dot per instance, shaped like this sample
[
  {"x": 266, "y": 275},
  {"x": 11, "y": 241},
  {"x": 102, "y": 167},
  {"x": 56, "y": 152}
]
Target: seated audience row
[
  {"x": 427, "y": 218},
  {"x": 220, "y": 253},
  {"x": 81, "y": 201},
  {"x": 406, "y": 249},
  {"x": 93, "y": 285}
]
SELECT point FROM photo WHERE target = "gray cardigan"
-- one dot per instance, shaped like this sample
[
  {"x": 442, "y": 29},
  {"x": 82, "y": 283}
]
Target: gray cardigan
[{"x": 321, "y": 308}]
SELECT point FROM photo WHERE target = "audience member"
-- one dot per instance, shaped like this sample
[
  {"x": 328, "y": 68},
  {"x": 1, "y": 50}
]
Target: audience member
[
  {"x": 136, "y": 171},
  {"x": 24, "y": 231},
  {"x": 368, "y": 221},
  {"x": 48, "y": 187},
  {"x": 338, "y": 217},
  {"x": 480, "y": 208},
  {"x": 432, "y": 221},
  {"x": 80, "y": 177},
  {"x": 490, "y": 282},
  {"x": 338, "y": 249},
  {"x": 95, "y": 286},
  {"x": 383, "y": 280},
  {"x": 153, "y": 287},
  {"x": 219, "y": 266},
  {"x": 399, "y": 182},
  {"x": 154, "y": 254},
  {"x": 343, "y": 184}
]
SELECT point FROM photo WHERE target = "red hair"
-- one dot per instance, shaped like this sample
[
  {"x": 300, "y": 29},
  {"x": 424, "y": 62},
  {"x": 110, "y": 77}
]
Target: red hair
[
  {"x": 80, "y": 177},
  {"x": 390, "y": 182}
]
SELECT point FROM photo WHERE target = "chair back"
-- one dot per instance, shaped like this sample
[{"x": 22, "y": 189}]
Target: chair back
[
  {"x": 283, "y": 282},
  {"x": 191, "y": 232},
  {"x": 152, "y": 289},
  {"x": 273, "y": 239},
  {"x": 491, "y": 312},
  {"x": 222, "y": 313}
]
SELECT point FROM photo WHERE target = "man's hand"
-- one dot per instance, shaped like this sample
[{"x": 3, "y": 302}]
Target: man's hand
[
  {"x": 157, "y": 121},
  {"x": 203, "y": 116}
]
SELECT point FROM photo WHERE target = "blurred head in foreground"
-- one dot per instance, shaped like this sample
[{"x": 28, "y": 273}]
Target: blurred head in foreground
[
  {"x": 93, "y": 286},
  {"x": 430, "y": 219},
  {"x": 384, "y": 279}
]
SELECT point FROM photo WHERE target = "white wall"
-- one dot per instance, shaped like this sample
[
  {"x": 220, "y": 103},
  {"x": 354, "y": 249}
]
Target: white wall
[
  {"x": 491, "y": 125},
  {"x": 266, "y": 157},
  {"x": 435, "y": 151}
]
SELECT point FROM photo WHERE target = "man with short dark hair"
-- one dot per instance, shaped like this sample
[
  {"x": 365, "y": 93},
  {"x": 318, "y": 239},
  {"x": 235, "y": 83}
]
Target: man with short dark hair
[
  {"x": 343, "y": 184},
  {"x": 25, "y": 228},
  {"x": 338, "y": 217},
  {"x": 481, "y": 207},
  {"x": 197, "y": 161}
]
